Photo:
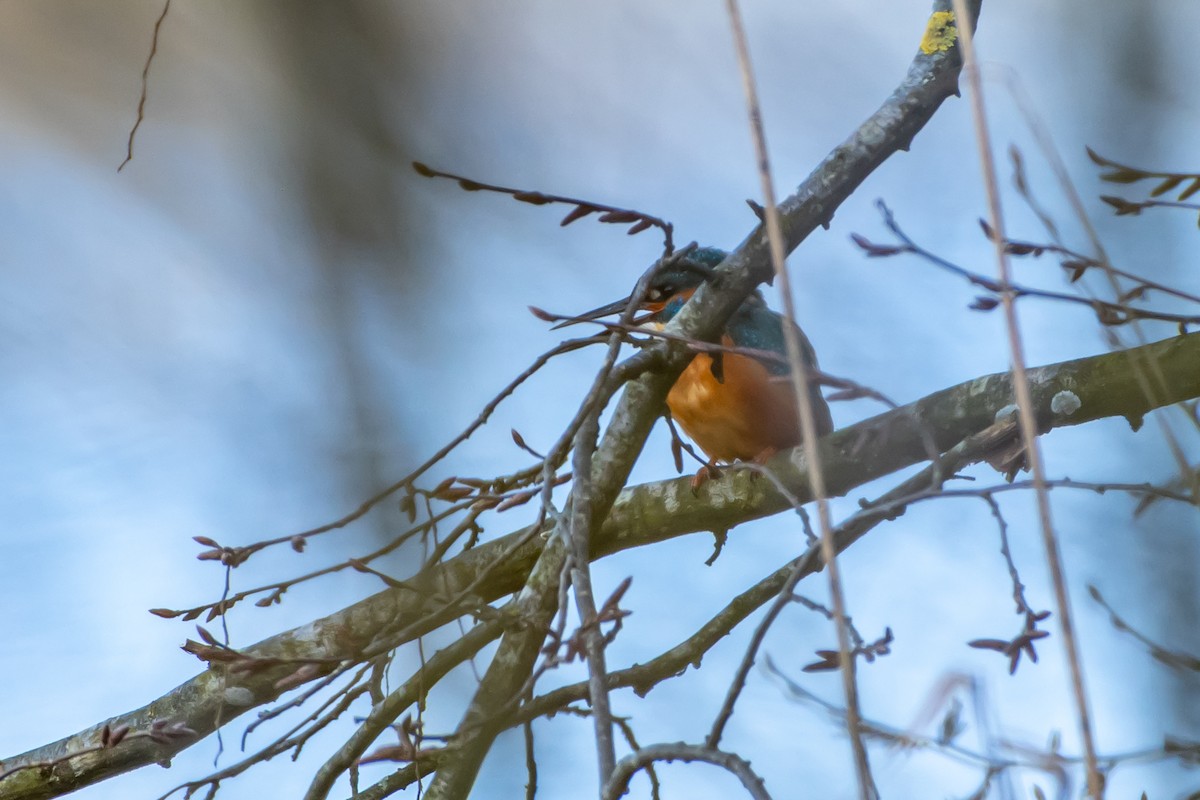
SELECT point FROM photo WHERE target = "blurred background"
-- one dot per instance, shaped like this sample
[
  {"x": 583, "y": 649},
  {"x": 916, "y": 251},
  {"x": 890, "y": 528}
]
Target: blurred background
[{"x": 267, "y": 316}]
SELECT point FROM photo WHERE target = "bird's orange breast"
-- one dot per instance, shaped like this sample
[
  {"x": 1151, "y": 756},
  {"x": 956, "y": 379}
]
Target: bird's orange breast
[{"x": 748, "y": 413}]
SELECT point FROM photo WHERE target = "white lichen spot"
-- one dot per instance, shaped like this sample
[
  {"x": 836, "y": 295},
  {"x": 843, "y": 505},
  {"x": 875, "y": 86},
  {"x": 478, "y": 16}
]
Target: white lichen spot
[
  {"x": 239, "y": 696},
  {"x": 1046, "y": 374},
  {"x": 670, "y": 502},
  {"x": 1065, "y": 403},
  {"x": 1005, "y": 412},
  {"x": 722, "y": 492}
]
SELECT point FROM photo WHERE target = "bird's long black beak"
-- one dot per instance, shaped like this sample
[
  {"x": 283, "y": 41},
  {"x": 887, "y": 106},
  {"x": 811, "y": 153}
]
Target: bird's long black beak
[{"x": 596, "y": 313}]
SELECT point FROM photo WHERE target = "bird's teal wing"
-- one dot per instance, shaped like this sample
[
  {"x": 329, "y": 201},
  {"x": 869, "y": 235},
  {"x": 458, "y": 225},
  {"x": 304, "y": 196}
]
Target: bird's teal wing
[{"x": 757, "y": 327}]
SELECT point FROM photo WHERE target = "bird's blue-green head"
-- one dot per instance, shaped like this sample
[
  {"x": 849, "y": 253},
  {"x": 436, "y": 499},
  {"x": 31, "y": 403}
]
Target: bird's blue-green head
[{"x": 672, "y": 285}]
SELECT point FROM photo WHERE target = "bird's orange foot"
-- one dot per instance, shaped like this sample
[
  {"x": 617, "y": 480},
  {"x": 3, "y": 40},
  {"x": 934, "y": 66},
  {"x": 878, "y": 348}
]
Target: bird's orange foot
[
  {"x": 708, "y": 472},
  {"x": 761, "y": 460},
  {"x": 766, "y": 455}
]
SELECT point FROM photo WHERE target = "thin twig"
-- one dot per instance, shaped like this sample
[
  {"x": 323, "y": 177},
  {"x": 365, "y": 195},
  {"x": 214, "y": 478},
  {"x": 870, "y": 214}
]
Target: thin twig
[
  {"x": 1028, "y": 423},
  {"x": 651, "y": 772},
  {"x": 407, "y": 481},
  {"x": 141, "y": 109},
  {"x": 680, "y": 751},
  {"x": 531, "y": 770},
  {"x": 847, "y": 388},
  {"x": 1108, "y": 312},
  {"x": 1184, "y": 662},
  {"x": 585, "y": 602},
  {"x": 800, "y": 385},
  {"x": 1078, "y": 263},
  {"x": 294, "y": 739},
  {"x": 637, "y": 220},
  {"x": 278, "y": 588}
]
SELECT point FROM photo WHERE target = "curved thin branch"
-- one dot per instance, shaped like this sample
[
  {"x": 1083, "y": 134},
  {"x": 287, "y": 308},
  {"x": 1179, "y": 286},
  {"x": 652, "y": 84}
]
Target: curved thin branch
[{"x": 645, "y": 756}]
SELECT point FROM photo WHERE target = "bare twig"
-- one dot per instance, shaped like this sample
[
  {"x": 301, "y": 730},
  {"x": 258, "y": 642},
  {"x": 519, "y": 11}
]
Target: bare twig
[
  {"x": 274, "y": 591},
  {"x": 1166, "y": 182},
  {"x": 638, "y": 221},
  {"x": 294, "y": 739},
  {"x": 1185, "y": 662},
  {"x": 1024, "y": 396},
  {"x": 141, "y": 109},
  {"x": 581, "y": 581},
  {"x": 1077, "y": 264},
  {"x": 585, "y": 515},
  {"x": 531, "y": 769},
  {"x": 1107, "y": 312},
  {"x": 295, "y": 540},
  {"x": 801, "y": 380},
  {"x": 680, "y": 751}
]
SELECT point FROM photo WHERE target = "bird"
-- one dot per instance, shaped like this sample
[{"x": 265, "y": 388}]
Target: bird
[{"x": 734, "y": 406}]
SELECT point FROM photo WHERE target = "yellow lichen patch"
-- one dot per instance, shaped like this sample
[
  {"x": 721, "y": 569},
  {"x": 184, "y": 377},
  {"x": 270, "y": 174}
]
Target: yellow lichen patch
[{"x": 940, "y": 33}]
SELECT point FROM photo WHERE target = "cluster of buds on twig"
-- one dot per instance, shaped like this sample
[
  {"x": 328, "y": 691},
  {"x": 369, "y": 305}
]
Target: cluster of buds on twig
[{"x": 1021, "y": 643}]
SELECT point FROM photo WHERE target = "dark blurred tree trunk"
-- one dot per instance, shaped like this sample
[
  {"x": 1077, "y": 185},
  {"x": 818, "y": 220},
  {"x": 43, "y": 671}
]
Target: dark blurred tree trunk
[{"x": 350, "y": 62}]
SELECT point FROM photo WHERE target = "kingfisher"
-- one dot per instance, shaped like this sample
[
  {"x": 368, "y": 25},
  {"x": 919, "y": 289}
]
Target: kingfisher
[{"x": 734, "y": 406}]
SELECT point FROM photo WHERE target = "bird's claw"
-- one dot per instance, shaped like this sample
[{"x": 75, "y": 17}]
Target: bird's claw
[{"x": 708, "y": 472}]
